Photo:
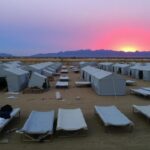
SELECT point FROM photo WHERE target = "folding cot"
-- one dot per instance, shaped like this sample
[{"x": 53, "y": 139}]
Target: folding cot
[
  {"x": 71, "y": 120},
  {"x": 63, "y": 78},
  {"x": 144, "y": 110},
  {"x": 82, "y": 83},
  {"x": 3, "y": 122},
  {"x": 60, "y": 84},
  {"x": 112, "y": 116},
  {"x": 38, "y": 126},
  {"x": 141, "y": 91},
  {"x": 130, "y": 82}
]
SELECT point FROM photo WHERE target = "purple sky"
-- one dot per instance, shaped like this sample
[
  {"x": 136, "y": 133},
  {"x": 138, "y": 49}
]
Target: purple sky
[{"x": 42, "y": 26}]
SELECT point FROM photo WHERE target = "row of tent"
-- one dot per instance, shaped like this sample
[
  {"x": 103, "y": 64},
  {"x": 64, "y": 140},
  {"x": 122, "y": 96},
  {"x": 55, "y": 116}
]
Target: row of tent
[
  {"x": 40, "y": 124},
  {"x": 134, "y": 70},
  {"x": 16, "y": 76}
]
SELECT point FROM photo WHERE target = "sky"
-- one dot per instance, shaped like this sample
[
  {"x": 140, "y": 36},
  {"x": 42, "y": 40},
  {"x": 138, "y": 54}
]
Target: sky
[{"x": 43, "y": 26}]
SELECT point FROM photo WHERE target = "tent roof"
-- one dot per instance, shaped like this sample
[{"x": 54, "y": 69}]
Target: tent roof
[
  {"x": 16, "y": 71},
  {"x": 106, "y": 63},
  {"x": 41, "y": 65},
  {"x": 121, "y": 65},
  {"x": 98, "y": 73},
  {"x": 138, "y": 67},
  {"x": 39, "y": 75}
]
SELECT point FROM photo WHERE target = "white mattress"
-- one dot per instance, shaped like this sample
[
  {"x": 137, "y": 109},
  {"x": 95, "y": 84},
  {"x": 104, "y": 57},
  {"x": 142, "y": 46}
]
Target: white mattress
[
  {"x": 141, "y": 92},
  {"x": 64, "y": 71},
  {"x": 39, "y": 123},
  {"x": 130, "y": 82},
  {"x": 62, "y": 84},
  {"x": 111, "y": 115},
  {"x": 70, "y": 120},
  {"x": 146, "y": 88},
  {"x": 64, "y": 78},
  {"x": 145, "y": 110},
  {"x": 82, "y": 83}
]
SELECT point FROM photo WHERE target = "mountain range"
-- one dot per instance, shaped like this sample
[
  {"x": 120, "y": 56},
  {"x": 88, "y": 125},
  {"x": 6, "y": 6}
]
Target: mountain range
[
  {"x": 90, "y": 54},
  {"x": 5, "y": 55},
  {"x": 95, "y": 54}
]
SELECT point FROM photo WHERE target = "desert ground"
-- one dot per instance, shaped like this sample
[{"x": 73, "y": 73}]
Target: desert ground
[{"x": 96, "y": 137}]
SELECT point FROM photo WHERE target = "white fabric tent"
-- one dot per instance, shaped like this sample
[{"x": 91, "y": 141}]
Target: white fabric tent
[
  {"x": 84, "y": 64},
  {"x": 39, "y": 67},
  {"x": 103, "y": 82},
  {"x": 17, "y": 79},
  {"x": 108, "y": 66},
  {"x": 140, "y": 72},
  {"x": 121, "y": 68},
  {"x": 38, "y": 80},
  {"x": 143, "y": 73}
]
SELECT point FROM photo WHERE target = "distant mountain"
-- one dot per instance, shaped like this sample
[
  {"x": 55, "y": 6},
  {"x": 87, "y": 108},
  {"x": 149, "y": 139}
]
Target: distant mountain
[
  {"x": 96, "y": 54},
  {"x": 5, "y": 55}
]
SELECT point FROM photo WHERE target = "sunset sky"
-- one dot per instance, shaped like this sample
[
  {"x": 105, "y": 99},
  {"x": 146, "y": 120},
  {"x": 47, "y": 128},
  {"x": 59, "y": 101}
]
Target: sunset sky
[{"x": 42, "y": 26}]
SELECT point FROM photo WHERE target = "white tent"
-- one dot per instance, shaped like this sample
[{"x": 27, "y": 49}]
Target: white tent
[
  {"x": 132, "y": 70},
  {"x": 106, "y": 66},
  {"x": 17, "y": 79},
  {"x": 84, "y": 64},
  {"x": 39, "y": 67},
  {"x": 143, "y": 73},
  {"x": 38, "y": 80},
  {"x": 12, "y": 64},
  {"x": 121, "y": 68},
  {"x": 103, "y": 82}
]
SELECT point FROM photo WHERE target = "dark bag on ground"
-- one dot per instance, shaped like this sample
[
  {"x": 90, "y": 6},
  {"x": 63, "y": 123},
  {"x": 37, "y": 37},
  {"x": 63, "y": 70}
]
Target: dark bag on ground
[{"x": 5, "y": 111}]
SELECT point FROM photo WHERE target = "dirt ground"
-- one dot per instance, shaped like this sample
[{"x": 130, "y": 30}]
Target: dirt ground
[{"x": 96, "y": 138}]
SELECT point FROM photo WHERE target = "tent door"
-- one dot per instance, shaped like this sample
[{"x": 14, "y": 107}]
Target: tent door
[
  {"x": 113, "y": 69},
  {"x": 119, "y": 71},
  {"x": 83, "y": 75},
  {"x": 3, "y": 84},
  {"x": 90, "y": 78},
  {"x": 140, "y": 74}
]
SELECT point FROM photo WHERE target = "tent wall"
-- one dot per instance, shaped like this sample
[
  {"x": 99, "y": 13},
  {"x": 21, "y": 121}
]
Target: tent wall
[
  {"x": 38, "y": 80},
  {"x": 112, "y": 87},
  {"x": 124, "y": 70},
  {"x": 16, "y": 83},
  {"x": 13, "y": 83},
  {"x": 146, "y": 75},
  {"x": 23, "y": 81}
]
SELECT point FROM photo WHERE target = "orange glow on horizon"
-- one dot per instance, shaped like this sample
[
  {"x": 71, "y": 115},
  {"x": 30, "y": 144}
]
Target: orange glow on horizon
[{"x": 128, "y": 49}]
